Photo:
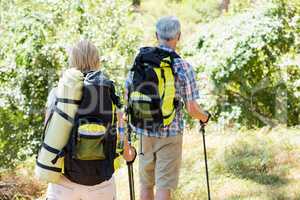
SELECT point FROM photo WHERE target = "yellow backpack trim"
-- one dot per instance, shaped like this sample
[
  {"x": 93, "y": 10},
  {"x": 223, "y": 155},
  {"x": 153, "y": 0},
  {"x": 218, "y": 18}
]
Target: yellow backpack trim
[
  {"x": 92, "y": 128},
  {"x": 166, "y": 89}
]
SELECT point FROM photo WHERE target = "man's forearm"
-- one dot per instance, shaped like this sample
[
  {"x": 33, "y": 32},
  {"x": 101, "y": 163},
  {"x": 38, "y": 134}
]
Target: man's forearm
[{"x": 195, "y": 111}]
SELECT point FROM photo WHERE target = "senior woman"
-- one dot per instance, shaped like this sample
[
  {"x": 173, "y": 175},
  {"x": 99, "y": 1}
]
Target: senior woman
[{"x": 80, "y": 186}]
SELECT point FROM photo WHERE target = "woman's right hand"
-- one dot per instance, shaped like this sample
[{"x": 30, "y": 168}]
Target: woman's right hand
[{"x": 129, "y": 153}]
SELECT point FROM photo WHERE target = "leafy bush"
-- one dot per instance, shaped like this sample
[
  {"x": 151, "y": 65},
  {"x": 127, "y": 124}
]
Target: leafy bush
[
  {"x": 35, "y": 37},
  {"x": 242, "y": 55}
]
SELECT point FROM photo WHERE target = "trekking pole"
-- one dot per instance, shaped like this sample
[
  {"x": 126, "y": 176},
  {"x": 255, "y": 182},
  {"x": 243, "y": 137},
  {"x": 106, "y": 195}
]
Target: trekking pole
[
  {"x": 130, "y": 169},
  {"x": 202, "y": 129}
]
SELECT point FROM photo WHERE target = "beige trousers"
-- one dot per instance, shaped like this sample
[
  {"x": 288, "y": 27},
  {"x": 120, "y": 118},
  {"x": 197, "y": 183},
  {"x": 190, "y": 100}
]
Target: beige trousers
[
  {"x": 67, "y": 190},
  {"x": 160, "y": 164}
]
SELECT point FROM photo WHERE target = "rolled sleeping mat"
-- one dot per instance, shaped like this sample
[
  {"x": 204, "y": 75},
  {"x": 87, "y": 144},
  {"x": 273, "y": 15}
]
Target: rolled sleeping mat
[{"x": 49, "y": 163}]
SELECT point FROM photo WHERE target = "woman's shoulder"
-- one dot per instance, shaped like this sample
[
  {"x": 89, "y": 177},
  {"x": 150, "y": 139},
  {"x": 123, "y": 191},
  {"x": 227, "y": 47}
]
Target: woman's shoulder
[{"x": 97, "y": 77}]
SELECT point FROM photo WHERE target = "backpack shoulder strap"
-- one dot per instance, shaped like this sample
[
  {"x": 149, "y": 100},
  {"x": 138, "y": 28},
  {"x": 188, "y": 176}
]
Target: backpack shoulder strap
[
  {"x": 174, "y": 55},
  {"x": 147, "y": 55},
  {"x": 115, "y": 98}
]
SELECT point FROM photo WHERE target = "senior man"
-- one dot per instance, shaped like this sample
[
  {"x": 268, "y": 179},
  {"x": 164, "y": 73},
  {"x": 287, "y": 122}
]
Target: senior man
[{"x": 161, "y": 146}]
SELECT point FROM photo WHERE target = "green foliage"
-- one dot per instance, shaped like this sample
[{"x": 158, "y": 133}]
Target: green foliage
[
  {"x": 242, "y": 55},
  {"x": 35, "y": 37},
  {"x": 207, "y": 9},
  {"x": 236, "y": 6}
]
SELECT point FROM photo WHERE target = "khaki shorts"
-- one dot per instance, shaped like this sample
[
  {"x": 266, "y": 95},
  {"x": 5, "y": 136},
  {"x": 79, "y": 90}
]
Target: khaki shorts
[
  {"x": 161, "y": 161},
  {"x": 67, "y": 190}
]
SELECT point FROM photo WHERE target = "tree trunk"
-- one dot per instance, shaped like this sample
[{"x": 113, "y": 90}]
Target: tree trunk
[
  {"x": 136, "y": 2},
  {"x": 225, "y": 5}
]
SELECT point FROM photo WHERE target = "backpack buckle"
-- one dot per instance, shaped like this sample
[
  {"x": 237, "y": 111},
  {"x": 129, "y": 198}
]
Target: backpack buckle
[{"x": 59, "y": 155}]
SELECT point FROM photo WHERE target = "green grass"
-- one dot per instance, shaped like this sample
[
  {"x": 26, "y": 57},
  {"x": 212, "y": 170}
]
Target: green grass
[
  {"x": 275, "y": 178},
  {"x": 279, "y": 179},
  {"x": 242, "y": 175}
]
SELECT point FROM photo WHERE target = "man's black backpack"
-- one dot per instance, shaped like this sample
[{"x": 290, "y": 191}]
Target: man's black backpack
[
  {"x": 91, "y": 150},
  {"x": 151, "y": 97}
]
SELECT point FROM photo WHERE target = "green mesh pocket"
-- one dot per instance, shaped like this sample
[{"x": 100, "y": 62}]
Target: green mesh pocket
[
  {"x": 142, "y": 110},
  {"x": 141, "y": 106},
  {"x": 90, "y": 142}
]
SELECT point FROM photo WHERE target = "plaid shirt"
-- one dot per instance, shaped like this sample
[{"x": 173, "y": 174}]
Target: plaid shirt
[{"x": 186, "y": 90}]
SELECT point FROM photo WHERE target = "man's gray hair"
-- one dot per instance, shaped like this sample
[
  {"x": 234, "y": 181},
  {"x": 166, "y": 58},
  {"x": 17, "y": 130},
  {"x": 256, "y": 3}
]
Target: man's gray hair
[{"x": 167, "y": 28}]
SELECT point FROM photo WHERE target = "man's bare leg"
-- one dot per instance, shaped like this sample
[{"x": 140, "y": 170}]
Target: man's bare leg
[
  {"x": 146, "y": 193},
  {"x": 163, "y": 194}
]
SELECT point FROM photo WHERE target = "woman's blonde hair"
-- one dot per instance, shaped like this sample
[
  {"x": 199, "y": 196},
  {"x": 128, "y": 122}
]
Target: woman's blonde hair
[{"x": 84, "y": 56}]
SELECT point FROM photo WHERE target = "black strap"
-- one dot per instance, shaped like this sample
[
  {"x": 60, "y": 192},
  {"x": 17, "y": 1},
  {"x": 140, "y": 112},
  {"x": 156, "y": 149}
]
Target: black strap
[
  {"x": 50, "y": 149},
  {"x": 164, "y": 79},
  {"x": 91, "y": 136},
  {"x": 48, "y": 120},
  {"x": 166, "y": 61},
  {"x": 115, "y": 98},
  {"x": 58, "y": 153},
  {"x": 63, "y": 114},
  {"x": 167, "y": 116},
  {"x": 46, "y": 124},
  {"x": 141, "y": 101},
  {"x": 55, "y": 169},
  {"x": 45, "y": 127},
  {"x": 174, "y": 54},
  {"x": 70, "y": 101}
]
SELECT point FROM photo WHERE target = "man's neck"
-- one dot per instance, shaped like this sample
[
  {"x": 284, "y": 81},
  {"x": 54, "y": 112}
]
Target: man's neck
[{"x": 168, "y": 45}]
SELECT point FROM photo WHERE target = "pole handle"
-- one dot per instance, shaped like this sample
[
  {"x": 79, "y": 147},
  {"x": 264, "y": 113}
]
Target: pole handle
[{"x": 202, "y": 126}]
